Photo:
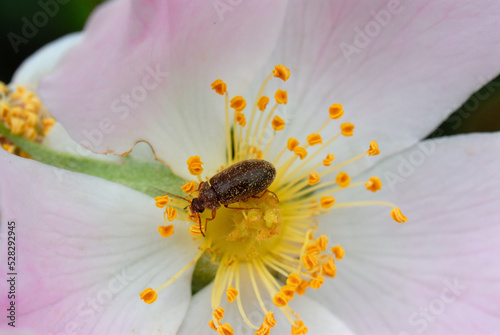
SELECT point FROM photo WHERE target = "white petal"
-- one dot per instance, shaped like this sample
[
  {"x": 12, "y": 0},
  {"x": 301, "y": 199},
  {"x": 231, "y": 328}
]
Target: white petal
[
  {"x": 44, "y": 61},
  {"x": 317, "y": 318},
  {"x": 440, "y": 271},
  {"x": 85, "y": 249}
]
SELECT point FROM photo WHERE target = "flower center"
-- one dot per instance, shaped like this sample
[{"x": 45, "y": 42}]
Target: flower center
[
  {"x": 248, "y": 229},
  {"x": 22, "y": 112},
  {"x": 268, "y": 232}
]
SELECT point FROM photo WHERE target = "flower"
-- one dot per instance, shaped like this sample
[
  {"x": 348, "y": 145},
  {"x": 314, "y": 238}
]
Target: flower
[{"x": 105, "y": 224}]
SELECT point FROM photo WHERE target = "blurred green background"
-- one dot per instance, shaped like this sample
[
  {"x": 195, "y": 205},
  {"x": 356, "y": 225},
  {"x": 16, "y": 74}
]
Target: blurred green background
[{"x": 480, "y": 113}]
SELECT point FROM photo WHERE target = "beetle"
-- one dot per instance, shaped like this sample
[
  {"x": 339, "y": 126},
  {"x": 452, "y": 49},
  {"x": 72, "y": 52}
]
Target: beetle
[{"x": 237, "y": 182}]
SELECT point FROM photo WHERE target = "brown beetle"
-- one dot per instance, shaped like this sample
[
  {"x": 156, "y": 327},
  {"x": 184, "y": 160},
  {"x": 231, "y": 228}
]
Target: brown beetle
[{"x": 235, "y": 183}]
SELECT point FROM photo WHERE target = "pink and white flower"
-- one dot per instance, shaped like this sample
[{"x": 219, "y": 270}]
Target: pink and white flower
[{"x": 87, "y": 247}]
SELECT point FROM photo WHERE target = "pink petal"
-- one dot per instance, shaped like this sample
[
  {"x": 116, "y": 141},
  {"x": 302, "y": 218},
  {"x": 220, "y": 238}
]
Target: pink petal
[
  {"x": 440, "y": 271},
  {"x": 163, "y": 56},
  {"x": 317, "y": 318},
  {"x": 85, "y": 249},
  {"x": 427, "y": 58}
]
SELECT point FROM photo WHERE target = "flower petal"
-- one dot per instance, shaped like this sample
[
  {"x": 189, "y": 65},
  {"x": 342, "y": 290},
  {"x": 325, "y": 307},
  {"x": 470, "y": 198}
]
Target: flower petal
[
  {"x": 85, "y": 248},
  {"x": 144, "y": 72},
  {"x": 439, "y": 272},
  {"x": 415, "y": 65},
  {"x": 44, "y": 61},
  {"x": 317, "y": 318}
]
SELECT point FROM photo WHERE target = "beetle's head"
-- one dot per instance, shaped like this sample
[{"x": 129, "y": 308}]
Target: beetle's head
[{"x": 197, "y": 206}]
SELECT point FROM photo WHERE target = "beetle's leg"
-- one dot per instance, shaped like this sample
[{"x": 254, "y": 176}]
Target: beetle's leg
[
  {"x": 207, "y": 219},
  {"x": 199, "y": 222},
  {"x": 258, "y": 197}
]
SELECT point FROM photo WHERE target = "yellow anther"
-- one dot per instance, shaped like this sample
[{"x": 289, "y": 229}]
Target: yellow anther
[
  {"x": 9, "y": 147},
  {"x": 166, "y": 231},
  {"x": 195, "y": 230},
  {"x": 282, "y": 72},
  {"x": 301, "y": 152},
  {"x": 330, "y": 269},
  {"x": 17, "y": 125},
  {"x": 262, "y": 103},
  {"x": 343, "y": 179},
  {"x": 280, "y": 299},
  {"x": 313, "y": 178},
  {"x": 162, "y": 201},
  {"x": 374, "y": 150},
  {"x": 30, "y": 134},
  {"x": 212, "y": 325},
  {"x": 336, "y": 111},
  {"x": 338, "y": 251},
  {"x": 293, "y": 280},
  {"x": 312, "y": 249},
  {"x": 328, "y": 160},
  {"x": 148, "y": 295},
  {"x": 263, "y": 330},
  {"x": 218, "y": 313},
  {"x": 238, "y": 103},
  {"x": 327, "y": 201},
  {"x": 298, "y": 328},
  {"x": 292, "y": 143},
  {"x": 374, "y": 184},
  {"x": 310, "y": 261},
  {"x": 317, "y": 282},
  {"x": 322, "y": 243},
  {"x": 47, "y": 125},
  {"x": 31, "y": 118},
  {"x": 314, "y": 139},
  {"x": 225, "y": 329},
  {"x": 288, "y": 291},
  {"x": 269, "y": 319},
  {"x": 398, "y": 216},
  {"x": 189, "y": 187},
  {"x": 281, "y": 97},
  {"x": 240, "y": 118},
  {"x": 219, "y": 86},
  {"x": 278, "y": 123},
  {"x": 301, "y": 289},
  {"x": 232, "y": 293},
  {"x": 171, "y": 213},
  {"x": 347, "y": 129},
  {"x": 195, "y": 165}
]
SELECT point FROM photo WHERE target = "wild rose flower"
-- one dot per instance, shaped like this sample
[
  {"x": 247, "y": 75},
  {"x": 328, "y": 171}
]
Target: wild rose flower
[{"x": 393, "y": 279}]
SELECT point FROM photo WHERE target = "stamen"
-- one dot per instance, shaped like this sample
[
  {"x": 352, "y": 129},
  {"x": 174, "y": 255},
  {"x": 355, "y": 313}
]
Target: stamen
[
  {"x": 190, "y": 187},
  {"x": 338, "y": 251},
  {"x": 374, "y": 184},
  {"x": 298, "y": 328},
  {"x": 238, "y": 103},
  {"x": 343, "y": 179},
  {"x": 282, "y": 72},
  {"x": 398, "y": 216},
  {"x": 336, "y": 111},
  {"x": 148, "y": 295},
  {"x": 301, "y": 152},
  {"x": 166, "y": 231},
  {"x": 292, "y": 143},
  {"x": 171, "y": 213},
  {"x": 328, "y": 160},
  {"x": 373, "y": 151},
  {"x": 281, "y": 97},
  {"x": 327, "y": 202},
  {"x": 219, "y": 86},
  {"x": 262, "y": 103},
  {"x": 232, "y": 293},
  {"x": 162, "y": 201},
  {"x": 240, "y": 118},
  {"x": 195, "y": 165},
  {"x": 278, "y": 123},
  {"x": 347, "y": 129},
  {"x": 314, "y": 139},
  {"x": 313, "y": 178}
]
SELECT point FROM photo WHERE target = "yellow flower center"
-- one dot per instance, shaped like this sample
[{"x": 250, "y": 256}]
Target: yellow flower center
[
  {"x": 271, "y": 233},
  {"x": 22, "y": 112}
]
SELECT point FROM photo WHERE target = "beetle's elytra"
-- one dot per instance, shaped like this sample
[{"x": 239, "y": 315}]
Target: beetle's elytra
[{"x": 235, "y": 183}]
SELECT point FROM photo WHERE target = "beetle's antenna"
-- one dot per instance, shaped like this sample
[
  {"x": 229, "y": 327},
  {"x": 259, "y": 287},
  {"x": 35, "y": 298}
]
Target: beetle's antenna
[{"x": 178, "y": 197}]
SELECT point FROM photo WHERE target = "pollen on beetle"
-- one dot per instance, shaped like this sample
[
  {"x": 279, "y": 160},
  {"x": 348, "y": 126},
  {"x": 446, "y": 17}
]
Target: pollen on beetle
[
  {"x": 264, "y": 247},
  {"x": 23, "y": 114}
]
